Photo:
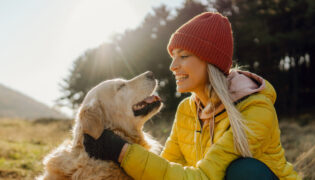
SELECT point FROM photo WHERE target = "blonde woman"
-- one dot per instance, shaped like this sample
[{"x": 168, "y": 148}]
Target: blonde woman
[{"x": 227, "y": 128}]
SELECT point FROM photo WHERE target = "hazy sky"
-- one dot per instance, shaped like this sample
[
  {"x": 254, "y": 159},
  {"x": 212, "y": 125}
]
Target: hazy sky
[{"x": 40, "y": 39}]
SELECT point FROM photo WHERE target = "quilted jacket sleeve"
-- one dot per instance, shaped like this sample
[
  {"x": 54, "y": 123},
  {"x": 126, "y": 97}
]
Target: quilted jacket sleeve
[
  {"x": 141, "y": 164},
  {"x": 171, "y": 151}
]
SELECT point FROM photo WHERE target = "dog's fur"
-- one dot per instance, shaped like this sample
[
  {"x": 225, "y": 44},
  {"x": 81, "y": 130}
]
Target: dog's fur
[{"x": 108, "y": 105}]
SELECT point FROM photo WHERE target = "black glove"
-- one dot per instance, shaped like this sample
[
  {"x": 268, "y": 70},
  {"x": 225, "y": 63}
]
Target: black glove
[{"x": 107, "y": 147}]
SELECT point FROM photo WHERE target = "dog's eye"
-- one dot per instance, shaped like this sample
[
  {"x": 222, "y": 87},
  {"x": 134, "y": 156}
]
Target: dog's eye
[{"x": 121, "y": 86}]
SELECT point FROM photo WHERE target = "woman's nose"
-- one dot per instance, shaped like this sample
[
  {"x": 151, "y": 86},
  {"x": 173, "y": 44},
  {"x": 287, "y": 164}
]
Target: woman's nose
[{"x": 174, "y": 65}]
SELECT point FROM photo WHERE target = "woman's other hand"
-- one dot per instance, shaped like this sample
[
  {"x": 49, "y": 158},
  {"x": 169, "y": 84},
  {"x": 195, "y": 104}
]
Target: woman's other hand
[{"x": 107, "y": 147}]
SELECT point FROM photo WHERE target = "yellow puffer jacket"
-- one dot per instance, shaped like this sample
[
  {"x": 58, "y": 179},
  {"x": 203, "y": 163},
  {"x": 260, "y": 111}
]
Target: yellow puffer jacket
[{"x": 186, "y": 157}]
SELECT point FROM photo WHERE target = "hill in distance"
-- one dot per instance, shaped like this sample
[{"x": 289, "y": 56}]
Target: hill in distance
[{"x": 14, "y": 104}]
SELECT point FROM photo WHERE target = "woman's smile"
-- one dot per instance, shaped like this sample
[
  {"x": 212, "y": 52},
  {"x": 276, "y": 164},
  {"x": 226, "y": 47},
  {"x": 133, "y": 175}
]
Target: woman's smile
[{"x": 180, "y": 78}]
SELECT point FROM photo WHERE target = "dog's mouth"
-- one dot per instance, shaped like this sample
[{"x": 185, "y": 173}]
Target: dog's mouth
[{"x": 146, "y": 106}]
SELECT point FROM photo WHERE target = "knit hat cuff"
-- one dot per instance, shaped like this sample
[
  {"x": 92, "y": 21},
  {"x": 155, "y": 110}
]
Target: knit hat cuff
[{"x": 202, "y": 49}]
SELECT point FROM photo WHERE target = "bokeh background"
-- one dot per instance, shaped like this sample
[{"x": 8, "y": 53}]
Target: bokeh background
[{"x": 102, "y": 40}]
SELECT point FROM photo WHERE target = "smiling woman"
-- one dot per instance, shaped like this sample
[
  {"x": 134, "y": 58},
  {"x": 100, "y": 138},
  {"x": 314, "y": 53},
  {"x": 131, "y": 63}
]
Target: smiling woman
[{"x": 227, "y": 128}]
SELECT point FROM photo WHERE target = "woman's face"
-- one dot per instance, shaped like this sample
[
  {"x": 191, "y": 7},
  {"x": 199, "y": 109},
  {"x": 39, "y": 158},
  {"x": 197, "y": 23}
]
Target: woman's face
[{"x": 190, "y": 72}]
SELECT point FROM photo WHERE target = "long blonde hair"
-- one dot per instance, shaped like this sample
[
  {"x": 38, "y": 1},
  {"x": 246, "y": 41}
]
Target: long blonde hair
[{"x": 219, "y": 83}]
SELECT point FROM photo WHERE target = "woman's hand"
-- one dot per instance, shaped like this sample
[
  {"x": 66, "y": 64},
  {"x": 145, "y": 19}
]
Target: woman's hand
[{"x": 107, "y": 147}]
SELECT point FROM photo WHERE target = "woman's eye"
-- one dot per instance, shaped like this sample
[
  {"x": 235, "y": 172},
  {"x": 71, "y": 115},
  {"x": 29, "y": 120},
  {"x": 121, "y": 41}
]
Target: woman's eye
[{"x": 184, "y": 56}]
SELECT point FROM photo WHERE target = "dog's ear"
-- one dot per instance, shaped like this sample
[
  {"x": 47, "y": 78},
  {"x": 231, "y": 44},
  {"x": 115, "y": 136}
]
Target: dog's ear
[{"x": 92, "y": 119}]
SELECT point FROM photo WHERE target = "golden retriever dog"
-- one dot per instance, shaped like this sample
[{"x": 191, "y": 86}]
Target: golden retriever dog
[{"x": 122, "y": 106}]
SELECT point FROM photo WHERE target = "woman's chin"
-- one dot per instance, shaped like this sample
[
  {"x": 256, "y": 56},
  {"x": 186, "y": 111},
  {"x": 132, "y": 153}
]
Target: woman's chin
[
  {"x": 182, "y": 89},
  {"x": 184, "y": 86}
]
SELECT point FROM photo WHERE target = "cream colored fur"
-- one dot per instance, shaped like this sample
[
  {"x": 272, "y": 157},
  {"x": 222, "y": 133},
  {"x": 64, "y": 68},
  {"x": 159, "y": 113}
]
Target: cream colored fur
[{"x": 108, "y": 105}]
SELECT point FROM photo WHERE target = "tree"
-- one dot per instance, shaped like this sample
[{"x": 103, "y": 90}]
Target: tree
[
  {"x": 267, "y": 31},
  {"x": 131, "y": 53},
  {"x": 268, "y": 36}
]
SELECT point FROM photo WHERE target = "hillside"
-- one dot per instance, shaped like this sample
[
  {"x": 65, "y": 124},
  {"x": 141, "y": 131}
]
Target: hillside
[{"x": 14, "y": 104}]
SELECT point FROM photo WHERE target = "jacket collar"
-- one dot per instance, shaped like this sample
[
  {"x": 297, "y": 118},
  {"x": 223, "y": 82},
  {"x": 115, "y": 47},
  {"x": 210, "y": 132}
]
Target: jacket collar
[{"x": 240, "y": 83}]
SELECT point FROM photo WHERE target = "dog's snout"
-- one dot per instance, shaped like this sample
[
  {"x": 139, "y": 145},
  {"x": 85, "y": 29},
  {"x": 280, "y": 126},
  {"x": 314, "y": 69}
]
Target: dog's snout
[{"x": 150, "y": 75}]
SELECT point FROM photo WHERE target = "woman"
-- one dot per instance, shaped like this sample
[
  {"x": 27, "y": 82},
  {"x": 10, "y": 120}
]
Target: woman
[{"x": 228, "y": 128}]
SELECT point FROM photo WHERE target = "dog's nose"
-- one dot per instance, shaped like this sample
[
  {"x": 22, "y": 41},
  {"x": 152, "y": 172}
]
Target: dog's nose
[{"x": 150, "y": 75}]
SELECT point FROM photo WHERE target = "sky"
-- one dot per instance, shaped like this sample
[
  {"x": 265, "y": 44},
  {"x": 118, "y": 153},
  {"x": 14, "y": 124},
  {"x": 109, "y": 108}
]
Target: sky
[{"x": 40, "y": 39}]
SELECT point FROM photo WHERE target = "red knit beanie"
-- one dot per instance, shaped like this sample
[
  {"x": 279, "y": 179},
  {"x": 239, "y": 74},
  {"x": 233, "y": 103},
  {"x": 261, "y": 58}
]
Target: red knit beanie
[{"x": 209, "y": 37}]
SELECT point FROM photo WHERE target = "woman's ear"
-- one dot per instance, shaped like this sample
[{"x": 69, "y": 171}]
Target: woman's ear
[{"x": 92, "y": 119}]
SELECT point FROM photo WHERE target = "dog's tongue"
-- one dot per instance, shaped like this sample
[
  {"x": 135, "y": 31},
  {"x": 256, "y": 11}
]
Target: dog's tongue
[{"x": 151, "y": 99}]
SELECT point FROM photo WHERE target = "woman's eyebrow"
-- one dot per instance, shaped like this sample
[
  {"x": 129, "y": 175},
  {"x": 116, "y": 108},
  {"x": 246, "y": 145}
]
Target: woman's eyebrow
[{"x": 177, "y": 51}]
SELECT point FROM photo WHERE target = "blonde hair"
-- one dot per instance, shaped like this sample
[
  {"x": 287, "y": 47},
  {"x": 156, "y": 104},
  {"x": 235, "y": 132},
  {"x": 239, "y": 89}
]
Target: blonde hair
[{"x": 218, "y": 82}]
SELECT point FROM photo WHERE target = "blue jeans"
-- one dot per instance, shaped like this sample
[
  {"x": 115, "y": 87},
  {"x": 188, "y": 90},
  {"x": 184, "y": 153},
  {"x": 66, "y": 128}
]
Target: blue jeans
[{"x": 248, "y": 169}]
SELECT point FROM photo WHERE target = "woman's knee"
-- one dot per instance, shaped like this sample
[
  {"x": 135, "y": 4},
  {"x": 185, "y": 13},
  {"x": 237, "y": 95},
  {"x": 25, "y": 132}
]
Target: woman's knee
[{"x": 248, "y": 168}]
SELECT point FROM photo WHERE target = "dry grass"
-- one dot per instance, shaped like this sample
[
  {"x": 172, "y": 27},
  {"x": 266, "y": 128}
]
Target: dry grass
[
  {"x": 299, "y": 143},
  {"x": 25, "y": 143},
  {"x": 305, "y": 164},
  {"x": 297, "y": 139}
]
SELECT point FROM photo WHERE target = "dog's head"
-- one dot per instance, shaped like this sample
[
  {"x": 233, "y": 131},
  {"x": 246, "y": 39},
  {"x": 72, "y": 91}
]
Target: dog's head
[{"x": 119, "y": 103}]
